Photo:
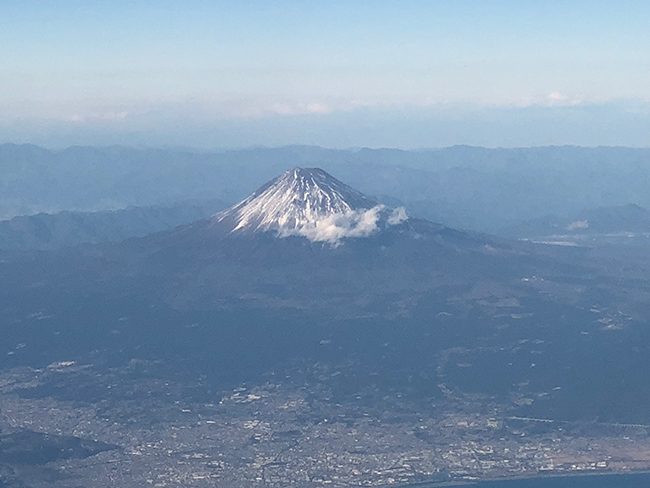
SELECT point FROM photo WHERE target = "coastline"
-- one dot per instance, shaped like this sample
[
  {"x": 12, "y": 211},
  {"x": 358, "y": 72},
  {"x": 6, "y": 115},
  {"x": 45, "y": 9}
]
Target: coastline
[{"x": 487, "y": 482}]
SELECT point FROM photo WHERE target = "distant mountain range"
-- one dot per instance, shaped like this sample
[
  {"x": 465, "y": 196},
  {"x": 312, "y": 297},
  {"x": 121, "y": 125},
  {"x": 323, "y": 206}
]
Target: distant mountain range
[{"x": 463, "y": 187}]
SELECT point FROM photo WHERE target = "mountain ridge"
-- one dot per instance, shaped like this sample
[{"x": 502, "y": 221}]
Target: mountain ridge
[{"x": 49, "y": 231}]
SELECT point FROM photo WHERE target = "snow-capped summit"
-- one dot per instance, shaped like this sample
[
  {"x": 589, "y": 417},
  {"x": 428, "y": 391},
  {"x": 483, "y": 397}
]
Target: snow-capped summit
[{"x": 311, "y": 203}]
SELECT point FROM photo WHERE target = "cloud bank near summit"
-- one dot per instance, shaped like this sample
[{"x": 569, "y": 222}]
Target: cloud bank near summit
[{"x": 355, "y": 223}]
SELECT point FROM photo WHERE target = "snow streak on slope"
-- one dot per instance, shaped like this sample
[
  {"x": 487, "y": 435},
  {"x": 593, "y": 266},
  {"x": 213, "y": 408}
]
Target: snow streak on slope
[{"x": 310, "y": 203}]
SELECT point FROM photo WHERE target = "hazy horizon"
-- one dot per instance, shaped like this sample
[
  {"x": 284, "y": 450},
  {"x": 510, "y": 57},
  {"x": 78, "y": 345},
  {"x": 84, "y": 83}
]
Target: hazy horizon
[
  {"x": 407, "y": 75},
  {"x": 617, "y": 123},
  {"x": 252, "y": 147}
]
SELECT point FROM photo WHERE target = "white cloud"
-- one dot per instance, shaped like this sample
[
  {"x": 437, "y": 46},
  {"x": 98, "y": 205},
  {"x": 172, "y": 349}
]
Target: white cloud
[
  {"x": 398, "y": 216},
  {"x": 300, "y": 108},
  {"x": 356, "y": 223},
  {"x": 99, "y": 116},
  {"x": 578, "y": 224},
  {"x": 557, "y": 96}
]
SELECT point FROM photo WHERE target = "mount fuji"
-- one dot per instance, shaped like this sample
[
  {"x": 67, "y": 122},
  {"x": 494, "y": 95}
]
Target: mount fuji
[
  {"x": 304, "y": 239},
  {"x": 311, "y": 203}
]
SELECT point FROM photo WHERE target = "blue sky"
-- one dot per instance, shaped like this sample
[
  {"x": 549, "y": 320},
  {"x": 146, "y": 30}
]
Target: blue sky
[{"x": 127, "y": 67}]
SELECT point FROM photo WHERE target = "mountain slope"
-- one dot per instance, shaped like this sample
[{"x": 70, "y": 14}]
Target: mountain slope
[{"x": 52, "y": 231}]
